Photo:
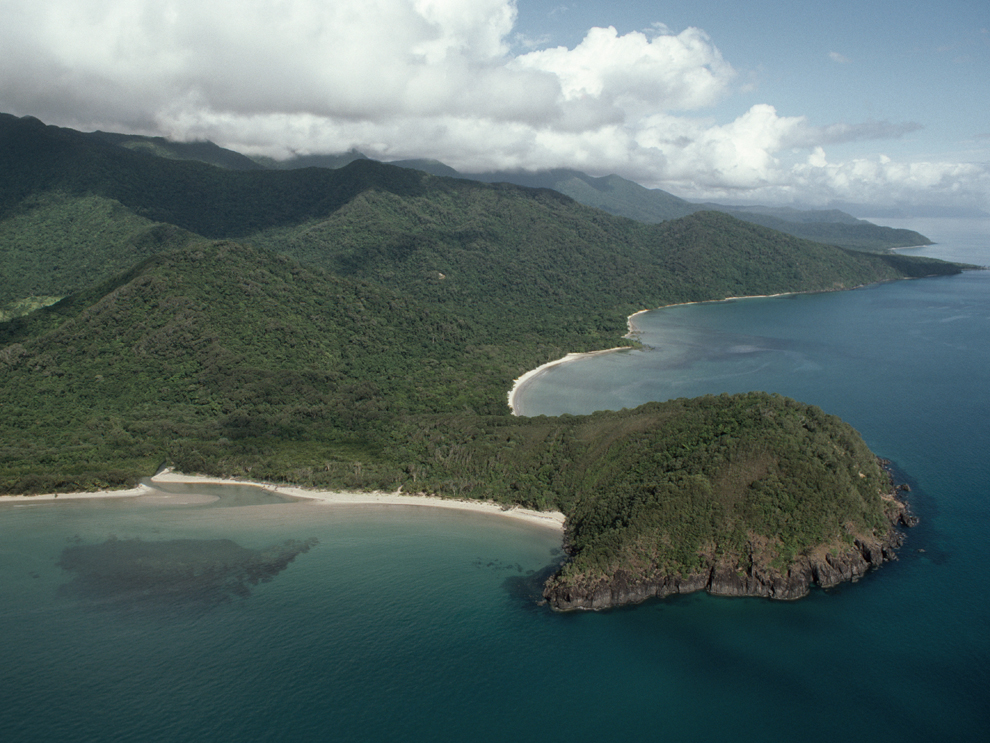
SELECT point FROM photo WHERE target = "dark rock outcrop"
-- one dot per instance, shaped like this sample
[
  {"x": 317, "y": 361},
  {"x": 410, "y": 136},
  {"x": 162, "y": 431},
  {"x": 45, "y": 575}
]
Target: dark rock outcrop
[{"x": 825, "y": 567}]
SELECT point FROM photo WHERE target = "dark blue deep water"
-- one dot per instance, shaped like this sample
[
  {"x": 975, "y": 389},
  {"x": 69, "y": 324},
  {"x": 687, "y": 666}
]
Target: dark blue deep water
[{"x": 241, "y": 619}]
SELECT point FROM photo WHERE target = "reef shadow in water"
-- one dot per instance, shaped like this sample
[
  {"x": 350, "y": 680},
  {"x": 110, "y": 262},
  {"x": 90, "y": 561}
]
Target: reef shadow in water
[
  {"x": 132, "y": 573},
  {"x": 527, "y": 590}
]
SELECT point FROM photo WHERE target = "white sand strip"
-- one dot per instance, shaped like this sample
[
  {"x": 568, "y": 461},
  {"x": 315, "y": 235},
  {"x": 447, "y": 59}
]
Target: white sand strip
[
  {"x": 28, "y": 499},
  {"x": 518, "y": 384},
  {"x": 551, "y": 519}
]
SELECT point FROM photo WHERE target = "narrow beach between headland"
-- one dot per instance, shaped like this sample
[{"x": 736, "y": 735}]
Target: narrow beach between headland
[
  {"x": 522, "y": 381},
  {"x": 519, "y": 384}
]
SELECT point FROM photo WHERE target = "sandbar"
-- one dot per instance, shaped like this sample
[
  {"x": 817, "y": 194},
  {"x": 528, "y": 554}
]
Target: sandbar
[{"x": 550, "y": 519}]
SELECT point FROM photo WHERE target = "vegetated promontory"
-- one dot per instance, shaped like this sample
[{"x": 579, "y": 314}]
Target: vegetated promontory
[{"x": 359, "y": 328}]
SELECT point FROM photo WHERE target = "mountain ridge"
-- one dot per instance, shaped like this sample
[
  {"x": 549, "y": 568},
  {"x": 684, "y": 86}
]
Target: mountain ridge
[{"x": 611, "y": 193}]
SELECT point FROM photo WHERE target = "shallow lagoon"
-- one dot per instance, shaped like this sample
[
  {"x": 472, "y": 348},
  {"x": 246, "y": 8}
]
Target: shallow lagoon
[{"x": 417, "y": 623}]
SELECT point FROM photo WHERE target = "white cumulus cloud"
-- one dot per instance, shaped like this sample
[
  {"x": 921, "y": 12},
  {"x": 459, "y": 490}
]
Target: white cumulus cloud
[
  {"x": 666, "y": 72},
  {"x": 446, "y": 79}
]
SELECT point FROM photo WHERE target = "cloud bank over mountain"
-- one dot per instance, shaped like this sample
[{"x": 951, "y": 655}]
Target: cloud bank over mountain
[{"x": 444, "y": 79}]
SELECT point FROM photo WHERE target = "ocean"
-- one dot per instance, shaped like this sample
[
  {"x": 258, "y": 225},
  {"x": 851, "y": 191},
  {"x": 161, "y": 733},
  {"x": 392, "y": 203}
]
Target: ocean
[{"x": 242, "y": 616}]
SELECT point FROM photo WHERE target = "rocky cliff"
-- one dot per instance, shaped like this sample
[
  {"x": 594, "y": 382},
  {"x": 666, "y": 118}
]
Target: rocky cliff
[{"x": 825, "y": 567}]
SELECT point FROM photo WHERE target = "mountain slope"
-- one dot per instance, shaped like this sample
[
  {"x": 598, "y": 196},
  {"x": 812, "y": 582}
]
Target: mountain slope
[
  {"x": 554, "y": 266},
  {"x": 532, "y": 252},
  {"x": 856, "y": 235},
  {"x": 218, "y": 341},
  {"x": 204, "y": 151},
  {"x": 612, "y": 193},
  {"x": 54, "y": 244},
  {"x": 622, "y": 197}
]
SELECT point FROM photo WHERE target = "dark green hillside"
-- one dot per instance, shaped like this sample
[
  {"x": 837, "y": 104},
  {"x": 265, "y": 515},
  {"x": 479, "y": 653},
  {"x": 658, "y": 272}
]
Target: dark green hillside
[
  {"x": 517, "y": 260},
  {"x": 210, "y": 201},
  {"x": 623, "y": 197},
  {"x": 717, "y": 255},
  {"x": 218, "y": 343},
  {"x": 311, "y": 161},
  {"x": 790, "y": 214},
  {"x": 723, "y": 462},
  {"x": 859, "y": 235},
  {"x": 433, "y": 167},
  {"x": 54, "y": 244},
  {"x": 612, "y": 193},
  {"x": 557, "y": 268}
]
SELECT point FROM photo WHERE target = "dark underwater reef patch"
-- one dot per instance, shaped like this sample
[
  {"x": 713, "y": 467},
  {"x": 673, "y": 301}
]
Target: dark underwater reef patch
[{"x": 194, "y": 571}]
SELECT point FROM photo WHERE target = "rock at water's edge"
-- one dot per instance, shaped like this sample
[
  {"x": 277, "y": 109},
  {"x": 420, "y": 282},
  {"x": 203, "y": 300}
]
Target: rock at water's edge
[{"x": 825, "y": 568}]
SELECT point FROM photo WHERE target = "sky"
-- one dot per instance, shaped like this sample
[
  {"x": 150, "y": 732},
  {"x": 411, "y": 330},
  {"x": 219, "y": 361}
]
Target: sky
[{"x": 797, "y": 102}]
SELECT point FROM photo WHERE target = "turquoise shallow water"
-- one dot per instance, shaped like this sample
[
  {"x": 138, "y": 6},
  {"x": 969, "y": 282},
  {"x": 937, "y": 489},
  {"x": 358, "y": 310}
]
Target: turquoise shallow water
[{"x": 421, "y": 624}]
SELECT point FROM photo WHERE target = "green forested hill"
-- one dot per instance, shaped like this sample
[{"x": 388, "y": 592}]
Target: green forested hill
[
  {"x": 53, "y": 244},
  {"x": 858, "y": 235},
  {"x": 626, "y": 198},
  {"x": 220, "y": 343},
  {"x": 202, "y": 151},
  {"x": 76, "y": 210},
  {"x": 207, "y": 200}
]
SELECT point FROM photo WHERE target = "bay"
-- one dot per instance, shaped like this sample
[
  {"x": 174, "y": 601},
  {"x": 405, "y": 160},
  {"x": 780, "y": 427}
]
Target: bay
[{"x": 219, "y": 619}]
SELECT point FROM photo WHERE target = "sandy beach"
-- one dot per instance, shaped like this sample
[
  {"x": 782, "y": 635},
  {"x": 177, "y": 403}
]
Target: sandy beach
[
  {"x": 33, "y": 499},
  {"x": 519, "y": 383},
  {"x": 533, "y": 373},
  {"x": 550, "y": 519}
]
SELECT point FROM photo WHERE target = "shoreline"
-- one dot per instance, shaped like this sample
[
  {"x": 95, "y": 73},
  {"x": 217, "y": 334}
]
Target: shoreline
[
  {"x": 136, "y": 492},
  {"x": 547, "y": 519},
  {"x": 520, "y": 382}
]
